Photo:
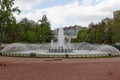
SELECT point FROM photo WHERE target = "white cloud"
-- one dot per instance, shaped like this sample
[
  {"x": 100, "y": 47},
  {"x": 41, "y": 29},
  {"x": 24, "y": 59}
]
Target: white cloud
[
  {"x": 87, "y": 2},
  {"x": 73, "y": 13},
  {"x": 27, "y": 4},
  {"x": 109, "y": 5}
]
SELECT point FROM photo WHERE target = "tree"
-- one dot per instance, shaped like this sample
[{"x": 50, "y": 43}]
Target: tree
[
  {"x": 116, "y": 28},
  {"x": 6, "y": 15},
  {"x": 92, "y": 33},
  {"x": 44, "y": 32},
  {"x": 108, "y": 30},
  {"x": 82, "y": 35},
  {"x": 44, "y": 21},
  {"x": 27, "y": 24},
  {"x": 97, "y": 33}
]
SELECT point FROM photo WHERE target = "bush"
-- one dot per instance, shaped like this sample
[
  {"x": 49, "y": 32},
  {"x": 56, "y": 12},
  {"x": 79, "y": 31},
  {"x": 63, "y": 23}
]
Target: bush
[
  {"x": 32, "y": 54},
  {"x": 66, "y": 55},
  {"x": 109, "y": 55},
  {"x": 0, "y": 53}
]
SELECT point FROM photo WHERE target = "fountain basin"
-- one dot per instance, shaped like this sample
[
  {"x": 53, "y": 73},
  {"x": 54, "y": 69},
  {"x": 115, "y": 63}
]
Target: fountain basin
[{"x": 44, "y": 50}]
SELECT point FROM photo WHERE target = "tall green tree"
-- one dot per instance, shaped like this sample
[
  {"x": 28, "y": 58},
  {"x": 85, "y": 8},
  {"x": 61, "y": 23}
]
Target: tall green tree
[
  {"x": 82, "y": 35},
  {"x": 27, "y": 24},
  {"x": 101, "y": 32},
  {"x": 44, "y": 32},
  {"x": 116, "y": 28},
  {"x": 6, "y": 16}
]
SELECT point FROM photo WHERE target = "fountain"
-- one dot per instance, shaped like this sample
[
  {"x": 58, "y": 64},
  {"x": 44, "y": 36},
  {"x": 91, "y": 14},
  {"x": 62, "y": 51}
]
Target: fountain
[{"x": 61, "y": 48}]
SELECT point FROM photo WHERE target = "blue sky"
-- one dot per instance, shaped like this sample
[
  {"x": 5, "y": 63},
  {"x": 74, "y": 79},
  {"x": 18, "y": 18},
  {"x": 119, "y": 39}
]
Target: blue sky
[
  {"x": 51, "y": 3},
  {"x": 63, "y": 13}
]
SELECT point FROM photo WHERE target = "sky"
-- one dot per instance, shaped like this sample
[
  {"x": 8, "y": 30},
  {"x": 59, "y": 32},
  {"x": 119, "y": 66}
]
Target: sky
[{"x": 63, "y": 13}]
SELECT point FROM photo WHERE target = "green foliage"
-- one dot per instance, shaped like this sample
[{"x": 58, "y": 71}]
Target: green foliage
[
  {"x": 26, "y": 31},
  {"x": 74, "y": 40},
  {"x": 29, "y": 36},
  {"x": 44, "y": 32},
  {"x": 116, "y": 28},
  {"x": 6, "y": 16},
  {"x": 82, "y": 35},
  {"x": 105, "y": 32}
]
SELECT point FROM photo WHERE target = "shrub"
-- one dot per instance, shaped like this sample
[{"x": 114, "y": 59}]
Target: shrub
[
  {"x": 66, "y": 55},
  {"x": 0, "y": 53},
  {"x": 109, "y": 55},
  {"x": 32, "y": 54}
]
